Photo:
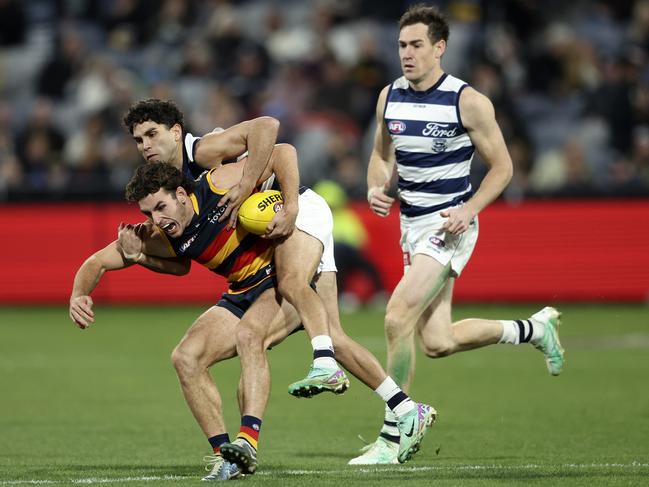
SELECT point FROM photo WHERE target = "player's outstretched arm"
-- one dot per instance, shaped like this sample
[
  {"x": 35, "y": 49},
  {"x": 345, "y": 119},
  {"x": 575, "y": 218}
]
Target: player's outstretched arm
[
  {"x": 154, "y": 255},
  {"x": 478, "y": 117},
  {"x": 381, "y": 165},
  {"x": 257, "y": 136},
  {"x": 87, "y": 278}
]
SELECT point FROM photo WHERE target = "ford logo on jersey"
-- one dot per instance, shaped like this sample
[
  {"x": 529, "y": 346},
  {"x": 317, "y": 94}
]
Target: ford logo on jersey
[{"x": 396, "y": 127}]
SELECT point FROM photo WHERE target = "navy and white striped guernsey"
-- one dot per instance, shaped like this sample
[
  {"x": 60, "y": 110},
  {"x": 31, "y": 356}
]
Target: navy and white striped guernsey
[
  {"x": 190, "y": 168},
  {"x": 433, "y": 149},
  {"x": 193, "y": 170}
]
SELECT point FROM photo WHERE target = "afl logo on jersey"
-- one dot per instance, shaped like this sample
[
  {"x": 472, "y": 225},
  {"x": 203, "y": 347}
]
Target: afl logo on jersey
[{"x": 396, "y": 127}]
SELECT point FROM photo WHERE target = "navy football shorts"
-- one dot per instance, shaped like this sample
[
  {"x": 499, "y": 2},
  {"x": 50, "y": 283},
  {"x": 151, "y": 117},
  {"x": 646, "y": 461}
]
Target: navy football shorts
[{"x": 238, "y": 304}]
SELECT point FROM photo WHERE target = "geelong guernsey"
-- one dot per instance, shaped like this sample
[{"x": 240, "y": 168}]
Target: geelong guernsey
[
  {"x": 433, "y": 149},
  {"x": 194, "y": 171}
]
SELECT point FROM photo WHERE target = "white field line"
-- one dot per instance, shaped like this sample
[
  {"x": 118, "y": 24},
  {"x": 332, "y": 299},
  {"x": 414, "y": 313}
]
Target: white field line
[{"x": 531, "y": 466}]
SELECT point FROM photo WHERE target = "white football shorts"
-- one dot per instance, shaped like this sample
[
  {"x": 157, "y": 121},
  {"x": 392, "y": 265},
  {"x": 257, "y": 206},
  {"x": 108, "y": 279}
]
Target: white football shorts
[
  {"x": 424, "y": 235},
  {"x": 314, "y": 217}
]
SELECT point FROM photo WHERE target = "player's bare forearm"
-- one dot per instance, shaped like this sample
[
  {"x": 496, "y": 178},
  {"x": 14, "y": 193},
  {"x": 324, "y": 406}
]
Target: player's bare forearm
[
  {"x": 379, "y": 172},
  {"x": 257, "y": 136},
  {"x": 91, "y": 271},
  {"x": 261, "y": 139},
  {"x": 492, "y": 186},
  {"x": 137, "y": 245},
  {"x": 284, "y": 164},
  {"x": 176, "y": 266},
  {"x": 378, "y": 182},
  {"x": 87, "y": 278}
]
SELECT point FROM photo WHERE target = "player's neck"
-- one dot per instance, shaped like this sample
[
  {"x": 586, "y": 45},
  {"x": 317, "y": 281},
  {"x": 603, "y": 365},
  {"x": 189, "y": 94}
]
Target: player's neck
[
  {"x": 428, "y": 81},
  {"x": 187, "y": 212},
  {"x": 177, "y": 160}
]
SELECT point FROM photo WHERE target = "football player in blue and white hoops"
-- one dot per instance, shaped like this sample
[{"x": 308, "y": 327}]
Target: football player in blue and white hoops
[{"x": 429, "y": 124}]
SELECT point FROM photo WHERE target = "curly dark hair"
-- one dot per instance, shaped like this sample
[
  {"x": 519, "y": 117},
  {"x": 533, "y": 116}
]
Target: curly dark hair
[
  {"x": 159, "y": 111},
  {"x": 150, "y": 178},
  {"x": 428, "y": 15}
]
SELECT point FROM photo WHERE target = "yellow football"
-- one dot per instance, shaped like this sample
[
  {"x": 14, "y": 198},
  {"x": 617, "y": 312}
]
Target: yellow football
[{"x": 258, "y": 210}]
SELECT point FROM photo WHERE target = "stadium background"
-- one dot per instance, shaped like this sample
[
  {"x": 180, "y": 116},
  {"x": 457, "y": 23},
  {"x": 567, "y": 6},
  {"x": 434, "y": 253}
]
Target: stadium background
[{"x": 570, "y": 82}]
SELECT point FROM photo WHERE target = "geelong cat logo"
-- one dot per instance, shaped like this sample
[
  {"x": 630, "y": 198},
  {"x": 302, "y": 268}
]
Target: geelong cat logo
[{"x": 396, "y": 127}]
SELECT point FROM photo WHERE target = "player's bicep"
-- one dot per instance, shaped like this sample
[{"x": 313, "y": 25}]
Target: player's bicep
[
  {"x": 215, "y": 147},
  {"x": 383, "y": 147},
  {"x": 479, "y": 118}
]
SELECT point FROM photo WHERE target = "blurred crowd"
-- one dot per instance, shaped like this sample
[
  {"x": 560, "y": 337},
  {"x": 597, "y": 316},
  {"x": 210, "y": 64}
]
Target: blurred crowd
[{"x": 569, "y": 80}]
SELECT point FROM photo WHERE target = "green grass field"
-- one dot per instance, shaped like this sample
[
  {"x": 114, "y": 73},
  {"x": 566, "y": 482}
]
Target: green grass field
[{"x": 103, "y": 406}]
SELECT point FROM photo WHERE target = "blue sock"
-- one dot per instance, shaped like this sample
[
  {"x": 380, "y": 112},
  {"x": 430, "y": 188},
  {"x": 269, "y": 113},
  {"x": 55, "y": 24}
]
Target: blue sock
[{"x": 217, "y": 441}]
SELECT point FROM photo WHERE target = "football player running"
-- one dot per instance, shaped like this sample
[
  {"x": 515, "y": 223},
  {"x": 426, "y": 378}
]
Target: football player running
[{"x": 429, "y": 124}]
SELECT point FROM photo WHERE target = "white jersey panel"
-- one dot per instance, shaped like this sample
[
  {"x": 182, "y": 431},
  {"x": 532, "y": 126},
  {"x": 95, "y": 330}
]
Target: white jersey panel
[
  {"x": 423, "y": 174},
  {"x": 422, "y": 112}
]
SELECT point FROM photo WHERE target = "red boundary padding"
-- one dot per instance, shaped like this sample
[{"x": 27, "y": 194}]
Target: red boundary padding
[{"x": 583, "y": 250}]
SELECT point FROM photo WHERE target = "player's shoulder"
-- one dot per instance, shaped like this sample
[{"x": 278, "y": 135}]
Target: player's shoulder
[
  {"x": 474, "y": 105},
  {"x": 383, "y": 99},
  {"x": 472, "y": 98},
  {"x": 448, "y": 82},
  {"x": 190, "y": 141}
]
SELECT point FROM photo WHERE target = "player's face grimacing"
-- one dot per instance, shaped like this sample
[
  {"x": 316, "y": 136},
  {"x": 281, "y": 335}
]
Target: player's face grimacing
[
  {"x": 156, "y": 142},
  {"x": 168, "y": 210}
]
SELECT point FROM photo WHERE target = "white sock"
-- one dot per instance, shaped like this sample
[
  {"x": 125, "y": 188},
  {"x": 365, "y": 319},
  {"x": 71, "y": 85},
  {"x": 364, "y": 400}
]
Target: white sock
[
  {"x": 323, "y": 352},
  {"x": 389, "y": 430},
  {"x": 510, "y": 332},
  {"x": 395, "y": 399},
  {"x": 520, "y": 331}
]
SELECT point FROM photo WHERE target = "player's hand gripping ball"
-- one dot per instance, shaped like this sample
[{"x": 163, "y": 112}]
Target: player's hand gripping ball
[{"x": 258, "y": 210}]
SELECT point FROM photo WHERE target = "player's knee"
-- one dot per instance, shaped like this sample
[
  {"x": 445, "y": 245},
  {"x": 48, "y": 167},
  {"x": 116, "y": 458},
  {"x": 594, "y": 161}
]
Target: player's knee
[
  {"x": 395, "y": 326},
  {"x": 290, "y": 286},
  {"x": 438, "y": 347},
  {"x": 248, "y": 339},
  {"x": 185, "y": 363},
  {"x": 285, "y": 150}
]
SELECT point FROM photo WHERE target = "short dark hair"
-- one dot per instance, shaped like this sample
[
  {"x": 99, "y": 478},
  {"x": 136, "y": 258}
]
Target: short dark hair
[
  {"x": 428, "y": 15},
  {"x": 150, "y": 178},
  {"x": 159, "y": 111}
]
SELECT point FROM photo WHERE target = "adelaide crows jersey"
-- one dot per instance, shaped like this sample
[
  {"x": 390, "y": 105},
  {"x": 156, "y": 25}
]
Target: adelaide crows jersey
[{"x": 244, "y": 259}]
